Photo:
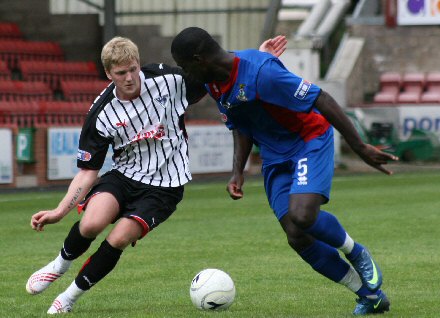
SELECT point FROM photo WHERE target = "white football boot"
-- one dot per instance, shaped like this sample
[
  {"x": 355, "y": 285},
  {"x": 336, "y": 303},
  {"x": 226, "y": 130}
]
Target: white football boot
[
  {"x": 41, "y": 279},
  {"x": 61, "y": 304}
]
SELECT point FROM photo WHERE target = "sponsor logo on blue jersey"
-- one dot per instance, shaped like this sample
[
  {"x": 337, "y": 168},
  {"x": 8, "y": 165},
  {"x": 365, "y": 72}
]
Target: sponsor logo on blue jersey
[
  {"x": 302, "y": 89},
  {"x": 302, "y": 180},
  {"x": 83, "y": 155}
]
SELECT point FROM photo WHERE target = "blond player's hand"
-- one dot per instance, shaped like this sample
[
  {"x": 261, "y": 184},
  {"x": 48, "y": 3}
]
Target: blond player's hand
[{"x": 40, "y": 219}]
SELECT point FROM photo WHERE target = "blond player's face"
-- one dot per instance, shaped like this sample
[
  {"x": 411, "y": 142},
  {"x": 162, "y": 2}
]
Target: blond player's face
[{"x": 126, "y": 79}]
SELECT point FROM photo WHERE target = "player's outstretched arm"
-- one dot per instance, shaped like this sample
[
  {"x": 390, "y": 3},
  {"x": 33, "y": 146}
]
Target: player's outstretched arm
[
  {"x": 330, "y": 109},
  {"x": 78, "y": 188},
  {"x": 242, "y": 149},
  {"x": 275, "y": 46}
]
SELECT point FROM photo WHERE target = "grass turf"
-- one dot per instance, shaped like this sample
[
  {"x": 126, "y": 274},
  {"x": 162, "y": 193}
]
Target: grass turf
[{"x": 397, "y": 217}]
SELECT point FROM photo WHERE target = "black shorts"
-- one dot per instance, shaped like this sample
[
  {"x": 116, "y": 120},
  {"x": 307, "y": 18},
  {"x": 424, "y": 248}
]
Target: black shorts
[{"x": 149, "y": 205}]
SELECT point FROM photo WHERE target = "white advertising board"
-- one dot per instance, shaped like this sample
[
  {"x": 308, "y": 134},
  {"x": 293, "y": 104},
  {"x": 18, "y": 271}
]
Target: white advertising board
[
  {"x": 211, "y": 148},
  {"x": 62, "y": 148},
  {"x": 210, "y": 151},
  {"x": 419, "y": 117},
  {"x": 418, "y": 12},
  {"x": 404, "y": 118},
  {"x": 6, "y": 163}
]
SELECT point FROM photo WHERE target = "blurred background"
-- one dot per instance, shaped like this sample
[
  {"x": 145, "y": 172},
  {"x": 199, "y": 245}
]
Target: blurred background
[{"x": 377, "y": 58}]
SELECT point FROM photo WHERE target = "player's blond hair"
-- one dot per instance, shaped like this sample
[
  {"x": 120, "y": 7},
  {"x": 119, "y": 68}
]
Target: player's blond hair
[{"x": 119, "y": 51}]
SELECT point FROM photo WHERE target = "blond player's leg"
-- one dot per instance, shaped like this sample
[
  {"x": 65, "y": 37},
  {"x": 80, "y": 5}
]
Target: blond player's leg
[{"x": 102, "y": 209}]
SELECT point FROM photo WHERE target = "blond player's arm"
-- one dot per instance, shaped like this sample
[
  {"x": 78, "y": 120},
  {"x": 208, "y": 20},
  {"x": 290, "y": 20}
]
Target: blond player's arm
[{"x": 78, "y": 188}]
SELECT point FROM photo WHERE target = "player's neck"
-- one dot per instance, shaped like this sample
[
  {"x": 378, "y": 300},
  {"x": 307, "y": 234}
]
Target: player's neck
[{"x": 226, "y": 64}]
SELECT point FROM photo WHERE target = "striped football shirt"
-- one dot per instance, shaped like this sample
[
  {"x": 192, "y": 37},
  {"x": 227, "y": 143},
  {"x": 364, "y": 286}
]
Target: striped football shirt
[{"x": 147, "y": 134}]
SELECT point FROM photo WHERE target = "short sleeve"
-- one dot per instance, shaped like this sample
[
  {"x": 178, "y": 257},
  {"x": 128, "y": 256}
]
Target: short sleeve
[
  {"x": 277, "y": 86},
  {"x": 93, "y": 146},
  {"x": 92, "y": 149}
]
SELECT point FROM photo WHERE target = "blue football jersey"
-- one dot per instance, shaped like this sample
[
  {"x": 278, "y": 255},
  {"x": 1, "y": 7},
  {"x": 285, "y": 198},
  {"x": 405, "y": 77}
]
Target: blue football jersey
[{"x": 273, "y": 106}]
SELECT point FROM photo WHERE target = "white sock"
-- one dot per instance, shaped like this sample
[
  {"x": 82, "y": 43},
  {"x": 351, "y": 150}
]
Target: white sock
[
  {"x": 351, "y": 280},
  {"x": 61, "y": 265},
  {"x": 348, "y": 245},
  {"x": 73, "y": 292}
]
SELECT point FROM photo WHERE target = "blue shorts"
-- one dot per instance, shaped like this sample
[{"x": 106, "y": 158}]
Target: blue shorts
[{"x": 309, "y": 171}]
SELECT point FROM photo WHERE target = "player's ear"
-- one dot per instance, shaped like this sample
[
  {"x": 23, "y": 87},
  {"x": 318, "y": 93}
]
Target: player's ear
[
  {"x": 108, "y": 75},
  {"x": 197, "y": 58}
]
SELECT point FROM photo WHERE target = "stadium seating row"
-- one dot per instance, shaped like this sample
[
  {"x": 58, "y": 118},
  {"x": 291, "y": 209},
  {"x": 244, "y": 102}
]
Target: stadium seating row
[
  {"x": 13, "y": 51},
  {"x": 77, "y": 91},
  {"x": 396, "y": 88},
  {"x": 38, "y": 90},
  {"x": 54, "y": 72},
  {"x": 24, "y": 91},
  {"x": 43, "y": 70},
  {"x": 30, "y": 101},
  {"x": 10, "y": 30},
  {"x": 31, "y": 113}
]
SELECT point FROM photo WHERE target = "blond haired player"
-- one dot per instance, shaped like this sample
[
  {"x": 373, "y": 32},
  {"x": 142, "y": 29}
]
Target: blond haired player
[{"x": 140, "y": 115}]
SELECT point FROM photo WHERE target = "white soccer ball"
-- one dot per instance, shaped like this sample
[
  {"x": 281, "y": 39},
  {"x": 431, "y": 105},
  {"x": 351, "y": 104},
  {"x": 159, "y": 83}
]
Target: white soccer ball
[{"x": 212, "y": 289}]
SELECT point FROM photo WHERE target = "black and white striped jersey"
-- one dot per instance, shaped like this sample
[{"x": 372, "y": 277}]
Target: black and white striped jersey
[{"x": 147, "y": 134}]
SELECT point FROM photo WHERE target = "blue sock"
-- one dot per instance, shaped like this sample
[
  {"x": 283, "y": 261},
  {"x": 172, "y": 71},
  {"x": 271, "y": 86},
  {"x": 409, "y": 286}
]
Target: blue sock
[
  {"x": 327, "y": 229},
  {"x": 325, "y": 260}
]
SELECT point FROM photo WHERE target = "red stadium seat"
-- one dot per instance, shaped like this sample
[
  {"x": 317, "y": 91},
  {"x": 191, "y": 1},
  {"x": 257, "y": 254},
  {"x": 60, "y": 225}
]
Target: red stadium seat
[
  {"x": 31, "y": 113},
  {"x": 430, "y": 97},
  {"x": 433, "y": 82},
  {"x": 66, "y": 107},
  {"x": 413, "y": 82},
  {"x": 82, "y": 90},
  {"x": 410, "y": 97},
  {"x": 13, "y": 51},
  {"x": 408, "y": 88},
  {"x": 6, "y": 90},
  {"x": 390, "y": 85},
  {"x": 5, "y": 72},
  {"x": 385, "y": 97},
  {"x": 24, "y": 91},
  {"x": 63, "y": 112},
  {"x": 390, "y": 82},
  {"x": 22, "y": 113},
  {"x": 54, "y": 72},
  {"x": 9, "y": 30},
  {"x": 432, "y": 93},
  {"x": 5, "y": 113}
]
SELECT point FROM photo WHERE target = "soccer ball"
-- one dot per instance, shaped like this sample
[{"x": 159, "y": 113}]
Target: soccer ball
[{"x": 212, "y": 289}]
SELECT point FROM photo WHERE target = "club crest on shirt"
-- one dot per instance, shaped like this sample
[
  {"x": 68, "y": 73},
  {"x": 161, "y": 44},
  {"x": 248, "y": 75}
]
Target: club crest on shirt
[
  {"x": 83, "y": 155},
  {"x": 242, "y": 94},
  {"x": 302, "y": 90},
  {"x": 162, "y": 100}
]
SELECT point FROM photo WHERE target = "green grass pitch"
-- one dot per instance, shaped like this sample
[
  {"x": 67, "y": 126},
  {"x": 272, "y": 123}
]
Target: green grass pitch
[{"x": 397, "y": 217}]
